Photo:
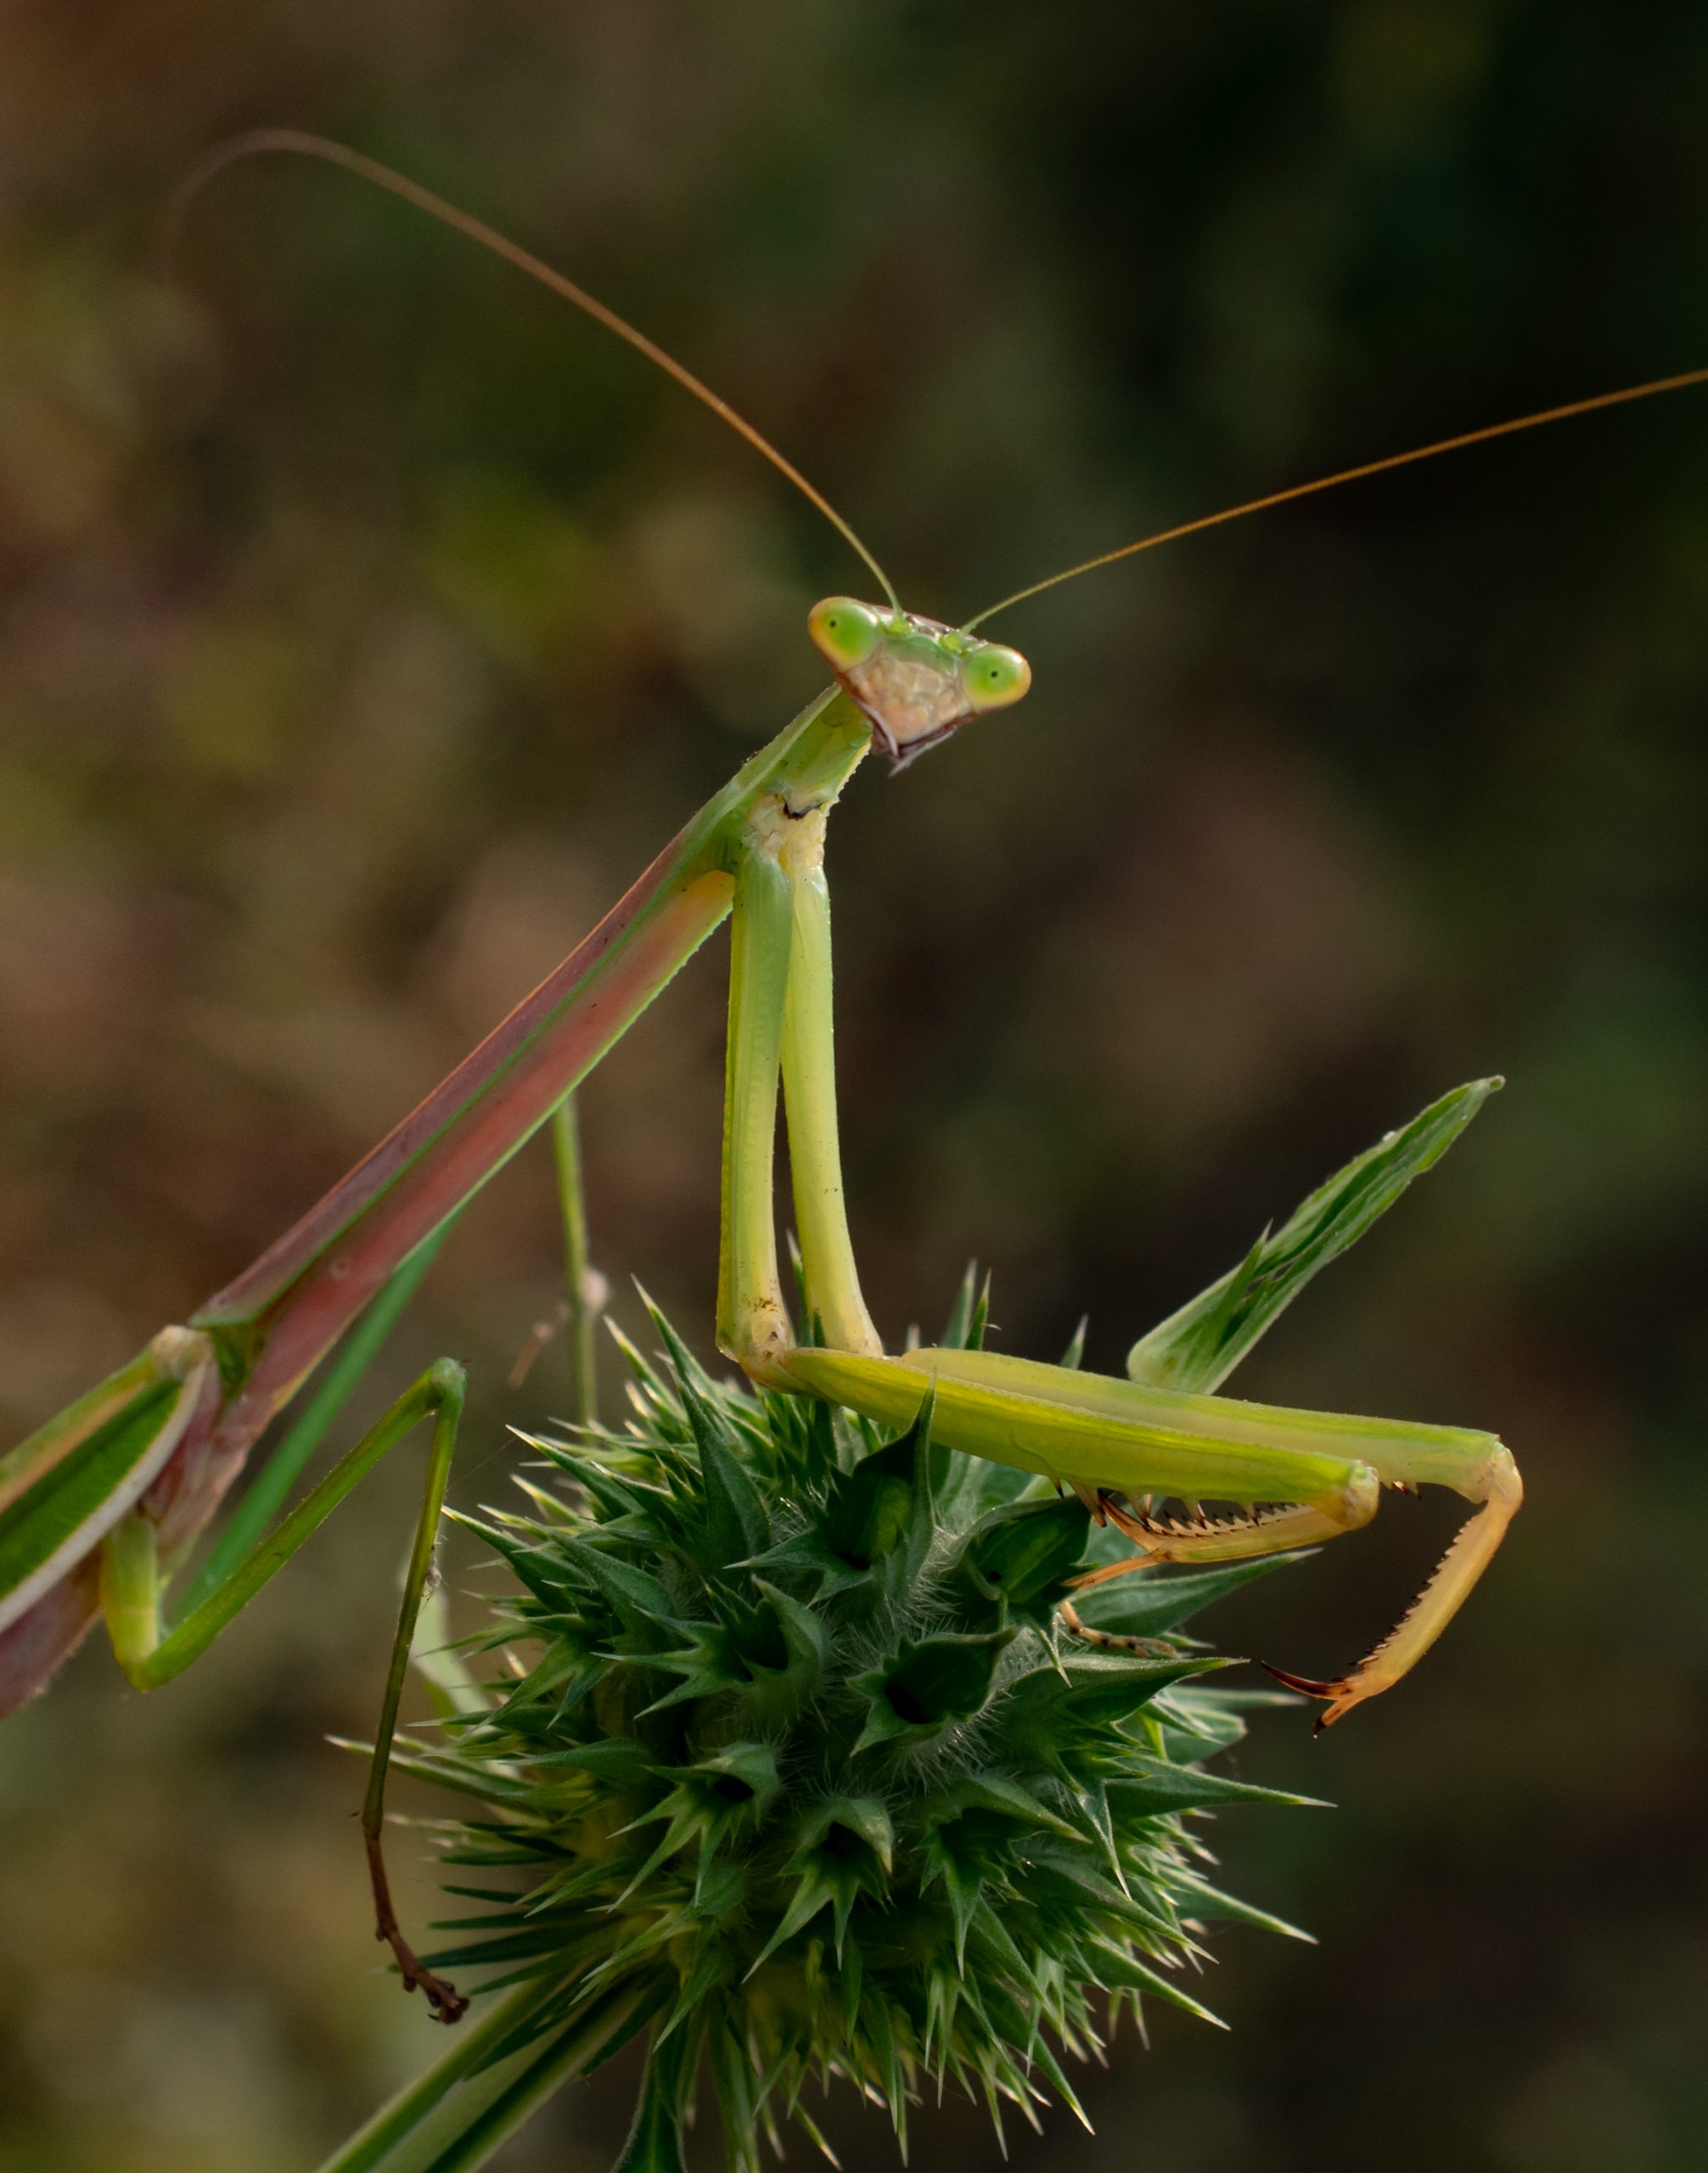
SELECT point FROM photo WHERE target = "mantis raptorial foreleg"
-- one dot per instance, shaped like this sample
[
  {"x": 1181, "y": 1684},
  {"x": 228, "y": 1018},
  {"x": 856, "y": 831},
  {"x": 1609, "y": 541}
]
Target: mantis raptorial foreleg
[
  {"x": 809, "y": 1090},
  {"x": 1470, "y": 1553},
  {"x": 1294, "y": 1477},
  {"x": 1481, "y": 1470},
  {"x": 1487, "y": 1476},
  {"x": 753, "y": 1324},
  {"x": 1299, "y": 1476},
  {"x": 1228, "y": 1539},
  {"x": 780, "y": 1028}
]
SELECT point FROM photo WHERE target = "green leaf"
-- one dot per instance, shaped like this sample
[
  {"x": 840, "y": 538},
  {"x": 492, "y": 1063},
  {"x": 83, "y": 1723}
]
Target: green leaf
[
  {"x": 961, "y": 1883},
  {"x": 1150, "y": 1785},
  {"x": 1005, "y": 1799},
  {"x": 619, "y": 1760},
  {"x": 818, "y": 1888},
  {"x": 708, "y": 1800},
  {"x": 1197, "y": 1348},
  {"x": 778, "y": 1694},
  {"x": 737, "y": 2087},
  {"x": 875, "y": 1520},
  {"x": 654, "y": 2142},
  {"x": 647, "y": 1376},
  {"x": 862, "y": 1816},
  {"x": 1123, "y": 1969},
  {"x": 707, "y": 1667},
  {"x": 1151, "y": 1601},
  {"x": 1196, "y": 1726},
  {"x": 981, "y": 1315},
  {"x": 957, "y": 1333},
  {"x": 926, "y": 1683},
  {"x": 1052, "y": 1714},
  {"x": 1207, "y": 1900},
  {"x": 735, "y": 1519},
  {"x": 770, "y": 1656},
  {"x": 636, "y": 1594},
  {"x": 744, "y": 1776},
  {"x": 1020, "y": 1556},
  {"x": 1080, "y": 1865},
  {"x": 532, "y": 1566},
  {"x": 565, "y": 1661}
]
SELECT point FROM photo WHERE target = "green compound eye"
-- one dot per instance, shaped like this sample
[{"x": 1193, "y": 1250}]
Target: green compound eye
[
  {"x": 845, "y": 632},
  {"x": 992, "y": 676}
]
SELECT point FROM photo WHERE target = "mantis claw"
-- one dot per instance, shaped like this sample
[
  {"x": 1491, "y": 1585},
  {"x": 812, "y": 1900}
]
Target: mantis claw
[
  {"x": 1493, "y": 1483},
  {"x": 1334, "y": 1693},
  {"x": 448, "y": 2004}
]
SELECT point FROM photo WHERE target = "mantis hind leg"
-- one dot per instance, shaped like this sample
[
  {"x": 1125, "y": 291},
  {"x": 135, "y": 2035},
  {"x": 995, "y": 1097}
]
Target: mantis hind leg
[{"x": 131, "y": 1595}]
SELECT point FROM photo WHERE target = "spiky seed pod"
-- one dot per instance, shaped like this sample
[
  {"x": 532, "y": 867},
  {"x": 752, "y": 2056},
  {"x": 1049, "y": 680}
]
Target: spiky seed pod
[{"x": 798, "y": 1767}]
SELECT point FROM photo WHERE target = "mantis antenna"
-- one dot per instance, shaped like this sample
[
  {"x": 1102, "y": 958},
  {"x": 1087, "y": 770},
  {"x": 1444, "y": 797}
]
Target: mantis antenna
[
  {"x": 258, "y": 141},
  {"x": 1350, "y": 475}
]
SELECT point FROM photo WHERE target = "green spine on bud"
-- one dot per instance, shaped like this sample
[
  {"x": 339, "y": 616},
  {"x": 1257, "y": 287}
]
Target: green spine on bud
[{"x": 797, "y": 1754}]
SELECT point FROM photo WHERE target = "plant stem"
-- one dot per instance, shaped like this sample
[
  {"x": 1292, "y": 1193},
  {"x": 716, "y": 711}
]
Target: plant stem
[
  {"x": 583, "y": 1295},
  {"x": 453, "y": 2118},
  {"x": 654, "y": 2142}
]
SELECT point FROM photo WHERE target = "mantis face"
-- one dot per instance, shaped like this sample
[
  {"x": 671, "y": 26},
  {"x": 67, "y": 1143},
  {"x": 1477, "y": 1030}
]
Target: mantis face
[{"x": 915, "y": 679}]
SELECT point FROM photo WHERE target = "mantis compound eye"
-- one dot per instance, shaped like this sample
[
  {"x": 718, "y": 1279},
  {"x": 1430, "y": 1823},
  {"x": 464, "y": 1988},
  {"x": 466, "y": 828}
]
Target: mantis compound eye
[
  {"x": 992, "y": 676},
  {"x": 845, "y": 632}
]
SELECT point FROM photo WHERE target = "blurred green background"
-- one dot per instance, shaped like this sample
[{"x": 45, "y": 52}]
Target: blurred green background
[{"x": 368, "y": 621}]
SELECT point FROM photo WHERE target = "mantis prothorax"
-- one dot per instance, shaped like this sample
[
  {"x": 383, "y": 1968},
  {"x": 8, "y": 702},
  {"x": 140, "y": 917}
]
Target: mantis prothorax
[{"x": 99, "y": 1507}]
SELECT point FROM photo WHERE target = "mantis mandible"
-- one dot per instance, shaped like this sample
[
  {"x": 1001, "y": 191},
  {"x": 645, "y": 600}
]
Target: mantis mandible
[{"x": 100, "y": 1507}]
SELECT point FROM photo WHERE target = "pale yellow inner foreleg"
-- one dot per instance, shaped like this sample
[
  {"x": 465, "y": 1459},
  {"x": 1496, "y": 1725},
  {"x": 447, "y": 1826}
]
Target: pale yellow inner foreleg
[{"x": 1489, "y": 1478}]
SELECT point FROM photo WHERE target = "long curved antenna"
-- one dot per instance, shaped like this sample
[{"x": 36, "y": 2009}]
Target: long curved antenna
[
  {"x": 257, "y": 141},
  {"x": 1351, "y": 475}
]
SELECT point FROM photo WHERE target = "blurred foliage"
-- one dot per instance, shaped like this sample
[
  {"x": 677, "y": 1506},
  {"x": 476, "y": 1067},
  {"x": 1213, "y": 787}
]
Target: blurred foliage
[{"x": 367, "y": 621}]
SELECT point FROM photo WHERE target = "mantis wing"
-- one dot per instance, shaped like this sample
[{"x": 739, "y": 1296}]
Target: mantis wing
[{"x": 66, "y": 1487}]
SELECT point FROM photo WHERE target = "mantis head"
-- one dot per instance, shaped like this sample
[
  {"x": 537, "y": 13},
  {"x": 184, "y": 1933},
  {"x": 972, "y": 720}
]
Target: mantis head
[{"x": 917, "y": 680}]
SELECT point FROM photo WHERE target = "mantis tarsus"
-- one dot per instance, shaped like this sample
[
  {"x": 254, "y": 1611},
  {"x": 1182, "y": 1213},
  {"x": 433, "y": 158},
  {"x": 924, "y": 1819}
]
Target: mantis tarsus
[{"x": 101, "y": 1505}]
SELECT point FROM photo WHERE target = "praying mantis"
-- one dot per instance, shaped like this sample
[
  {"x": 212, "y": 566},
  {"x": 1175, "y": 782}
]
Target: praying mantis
[{"x": 100, "y": 1507}]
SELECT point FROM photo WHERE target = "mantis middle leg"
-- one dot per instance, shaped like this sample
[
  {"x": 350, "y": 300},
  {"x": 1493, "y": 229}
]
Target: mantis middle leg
[{"x": 152, "y": 1652}]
